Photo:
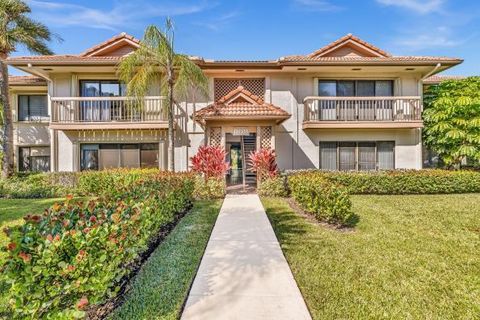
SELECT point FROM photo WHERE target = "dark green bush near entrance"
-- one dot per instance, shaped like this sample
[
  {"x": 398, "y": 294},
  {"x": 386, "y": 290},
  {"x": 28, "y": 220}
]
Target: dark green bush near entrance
[
  {"x": 73, "y": 255},
  {"x": 325, "y": 200}
]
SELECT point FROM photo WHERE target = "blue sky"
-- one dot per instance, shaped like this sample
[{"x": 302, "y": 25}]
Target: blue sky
[{"x": 258, "y": 29}]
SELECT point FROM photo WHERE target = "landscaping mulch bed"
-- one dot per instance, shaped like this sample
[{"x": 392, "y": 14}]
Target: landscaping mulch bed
[{"x": 101, "y": 311}]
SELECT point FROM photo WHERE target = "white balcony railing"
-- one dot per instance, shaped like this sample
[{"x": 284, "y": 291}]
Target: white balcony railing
[
  {"x": 362, "y": 109},
  {"x": 107, "y": 109}
]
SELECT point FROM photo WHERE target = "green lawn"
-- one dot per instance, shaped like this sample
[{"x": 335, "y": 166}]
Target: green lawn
[
  {"x": 162, "y": 285},
  {"x": 409, "y": 257}
]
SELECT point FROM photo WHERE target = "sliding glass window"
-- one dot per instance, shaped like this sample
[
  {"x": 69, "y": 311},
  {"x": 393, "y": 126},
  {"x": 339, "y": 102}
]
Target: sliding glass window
[
  {"x": 114, "y": 155},
  {"x": 363, "y": 155},
  {"x": 355, "y": 88},
  {"x": 101, "y": 110},
  {"x": 34, "y": 159}
]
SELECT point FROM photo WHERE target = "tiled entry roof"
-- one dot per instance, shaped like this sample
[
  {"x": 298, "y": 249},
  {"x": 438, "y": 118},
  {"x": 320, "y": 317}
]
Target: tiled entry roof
[{"x": 241, "y": 104}]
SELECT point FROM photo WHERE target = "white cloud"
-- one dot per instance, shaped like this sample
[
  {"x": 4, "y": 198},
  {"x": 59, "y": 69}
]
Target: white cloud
[
  {"x": 440, "y": 37},
  {"x": 419, "y": 6},
  {"x": 316, "y": 5},
  {"x": 131, "y": 13},
  {"x": 219, "y": 22}
]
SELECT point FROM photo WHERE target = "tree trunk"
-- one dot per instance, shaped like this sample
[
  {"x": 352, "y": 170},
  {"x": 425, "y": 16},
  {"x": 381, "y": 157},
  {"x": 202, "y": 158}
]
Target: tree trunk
[
  {"x": 7, "y": 125},
  {"x": 171, "y": 129}
]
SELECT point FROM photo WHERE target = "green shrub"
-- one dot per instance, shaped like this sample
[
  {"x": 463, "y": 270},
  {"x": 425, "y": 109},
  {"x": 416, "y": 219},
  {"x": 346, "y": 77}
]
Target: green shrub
[
  {"x": 429, "y": 181},
  {"x": 273, "y": 187},
  {"x": 212, "y": 188},
  {"x": 74, "y": 254},
  {"x": 326, "y": 200},
  {"x": 35, "y": 185}
]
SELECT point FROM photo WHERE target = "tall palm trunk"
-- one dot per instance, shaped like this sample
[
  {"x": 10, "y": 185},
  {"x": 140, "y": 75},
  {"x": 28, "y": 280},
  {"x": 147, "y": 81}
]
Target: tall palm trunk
[
  {"x": 171, "y": 128},
  {"x": 7, "y": 125}
]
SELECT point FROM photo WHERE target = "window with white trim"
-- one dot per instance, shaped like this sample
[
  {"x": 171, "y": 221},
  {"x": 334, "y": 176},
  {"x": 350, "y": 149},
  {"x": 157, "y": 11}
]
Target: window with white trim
[
  {"x": 361, "y": 155},
  {"x": 34, "y": 159},
  {"x": 32, "y": 107}
]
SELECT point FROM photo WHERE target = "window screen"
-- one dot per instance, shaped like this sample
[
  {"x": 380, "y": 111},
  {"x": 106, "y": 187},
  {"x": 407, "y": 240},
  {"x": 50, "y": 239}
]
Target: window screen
[
  {"x": 386, "y": 159},
  {"x": 346, "y": 152},
  {"x": 366, "y": 156},
  {"x": 328, "y": 155}
]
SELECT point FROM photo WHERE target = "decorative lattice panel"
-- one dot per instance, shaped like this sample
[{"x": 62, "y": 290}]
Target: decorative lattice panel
[
  {"x": 224, "y": 86},
  {"x": 215, "y": 137},
  {"x": 266, "y": 138}
]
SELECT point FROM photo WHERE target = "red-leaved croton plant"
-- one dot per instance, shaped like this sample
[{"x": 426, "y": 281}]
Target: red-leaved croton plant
[
  {"x": 210, "y": 162},
  {"x": 263, "y": 163}
]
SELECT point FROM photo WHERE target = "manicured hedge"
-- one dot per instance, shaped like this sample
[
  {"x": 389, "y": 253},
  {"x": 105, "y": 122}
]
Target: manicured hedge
[
  {"x": 273, "y": 187},
  {"x": 74, "y": 254},
  {"x": 326, "y": 200},
  {"x": 429, "y": 181}
]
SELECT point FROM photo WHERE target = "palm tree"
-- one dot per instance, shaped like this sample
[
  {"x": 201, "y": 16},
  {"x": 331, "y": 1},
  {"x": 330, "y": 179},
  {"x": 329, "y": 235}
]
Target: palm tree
[
  {"x": 156, "y": 61},
  {"x": 16, "y": 28}
]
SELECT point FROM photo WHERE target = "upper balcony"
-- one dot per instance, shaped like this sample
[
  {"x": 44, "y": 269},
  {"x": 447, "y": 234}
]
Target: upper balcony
[
  {"x": 362, "y": 112},
  {"x": 77, "y": 113}
]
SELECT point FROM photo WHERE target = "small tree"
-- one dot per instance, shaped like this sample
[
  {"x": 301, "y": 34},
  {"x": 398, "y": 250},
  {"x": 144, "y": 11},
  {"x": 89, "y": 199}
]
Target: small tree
[
  {"x": 210, "y": 162},
  {"x": 263, "y": 163},
  {"x": 452, "y": 120},
  {"x": 156, "y": 62},
  {"x": 16, "y": 29}
]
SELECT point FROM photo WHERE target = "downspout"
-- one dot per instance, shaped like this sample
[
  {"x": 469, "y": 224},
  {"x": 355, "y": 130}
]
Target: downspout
[{"x": 431, "y": 72}]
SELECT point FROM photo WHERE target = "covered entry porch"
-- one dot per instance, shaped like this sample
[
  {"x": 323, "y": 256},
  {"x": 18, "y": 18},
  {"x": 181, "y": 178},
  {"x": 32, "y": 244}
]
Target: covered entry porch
[
  {"x": 241, "y": 123},
  {"x": 239, "y": 140}
]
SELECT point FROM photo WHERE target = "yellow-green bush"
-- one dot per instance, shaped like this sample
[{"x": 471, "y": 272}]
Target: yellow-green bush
[{"x": 326, "y": 200}]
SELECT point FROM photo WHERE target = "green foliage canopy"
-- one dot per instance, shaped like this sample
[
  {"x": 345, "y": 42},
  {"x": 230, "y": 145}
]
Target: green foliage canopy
[{"x": 452, "y": 119}]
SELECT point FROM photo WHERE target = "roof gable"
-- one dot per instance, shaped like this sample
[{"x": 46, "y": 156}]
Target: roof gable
[
  {"x": 349, "y": 46},
  {"x": 241, "y": 95},
  {"x": 117, "y": 46}
]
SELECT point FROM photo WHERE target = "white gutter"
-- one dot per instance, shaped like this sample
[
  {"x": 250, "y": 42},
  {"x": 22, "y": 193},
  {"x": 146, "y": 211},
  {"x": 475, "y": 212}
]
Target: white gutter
[{"x": 431, "y": 72}]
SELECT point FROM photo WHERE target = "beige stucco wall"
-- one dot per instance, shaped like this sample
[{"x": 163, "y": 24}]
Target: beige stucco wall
[{"x": 295, "y": 147}]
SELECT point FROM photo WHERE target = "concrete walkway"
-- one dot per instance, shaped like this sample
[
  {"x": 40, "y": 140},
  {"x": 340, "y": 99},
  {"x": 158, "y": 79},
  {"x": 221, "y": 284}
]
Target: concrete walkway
[{"x": 243, "y": 274}]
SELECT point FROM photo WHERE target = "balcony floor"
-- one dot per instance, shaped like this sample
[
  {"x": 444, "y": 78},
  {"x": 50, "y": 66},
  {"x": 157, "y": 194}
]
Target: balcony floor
[
  {"x": 362, "y": 124},
  {"x": 65, "y": 126}
]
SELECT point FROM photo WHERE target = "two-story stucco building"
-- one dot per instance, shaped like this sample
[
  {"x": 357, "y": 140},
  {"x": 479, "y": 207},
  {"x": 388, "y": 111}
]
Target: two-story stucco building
[{"x": 347, "y": 106}]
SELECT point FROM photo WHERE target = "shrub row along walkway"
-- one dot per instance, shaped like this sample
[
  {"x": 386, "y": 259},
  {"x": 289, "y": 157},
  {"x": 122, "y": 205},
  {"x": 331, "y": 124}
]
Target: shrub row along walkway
[{"x": 243, "y": 273}]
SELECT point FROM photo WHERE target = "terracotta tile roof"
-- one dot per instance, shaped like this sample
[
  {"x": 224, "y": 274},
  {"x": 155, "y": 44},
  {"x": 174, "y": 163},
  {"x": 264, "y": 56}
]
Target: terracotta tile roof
[
  {"x": 319, "y": 57},
  {"x": 64, "y": 59},
  {"x": 26, "y": 81},
  {"x": 346, "y": 38},
  {"x": 240, "y": 103},
  {"x": 392, "y": 59},
  {"x": 439, "y": 78},
  {"x": 108, "y": 42}
]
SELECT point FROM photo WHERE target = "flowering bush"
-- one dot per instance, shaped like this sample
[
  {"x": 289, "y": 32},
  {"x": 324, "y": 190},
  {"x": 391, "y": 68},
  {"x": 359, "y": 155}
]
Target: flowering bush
[
  {"x": 74, "y": 254},
  {"x": 263, "y": 163},
  {"x": 210, "y": 162}
]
